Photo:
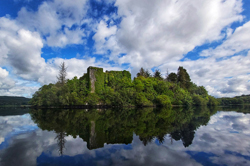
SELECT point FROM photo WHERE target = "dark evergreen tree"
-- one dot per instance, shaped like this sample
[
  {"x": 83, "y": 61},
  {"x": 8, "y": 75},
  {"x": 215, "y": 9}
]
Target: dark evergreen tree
[
  {"x": 183, "y": 78},
  {"x": 157, "y": 74},
  {"x": 172, "y": 77},
  {"x": 147, "y": 74},
  {"x": 141, "y": 73}
]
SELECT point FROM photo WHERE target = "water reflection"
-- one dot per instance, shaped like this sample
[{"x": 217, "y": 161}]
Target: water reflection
[
  {"x": 194, "y": 136},
  {"x": 97, "y": 127}
]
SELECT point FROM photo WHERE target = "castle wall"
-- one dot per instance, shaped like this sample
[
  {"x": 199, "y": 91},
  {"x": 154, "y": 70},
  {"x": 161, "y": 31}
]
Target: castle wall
[{"x": 97, "y": 79}]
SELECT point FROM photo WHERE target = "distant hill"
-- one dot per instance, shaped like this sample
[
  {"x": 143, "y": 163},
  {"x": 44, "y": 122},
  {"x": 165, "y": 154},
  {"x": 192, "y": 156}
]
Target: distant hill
[
  {"x": 243, "y": 99},
  {"x": 13, "y": 100}
]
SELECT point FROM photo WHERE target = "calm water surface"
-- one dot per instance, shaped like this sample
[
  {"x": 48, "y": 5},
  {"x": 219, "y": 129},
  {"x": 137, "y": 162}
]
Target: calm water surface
[{"x": 194, "y": 136}]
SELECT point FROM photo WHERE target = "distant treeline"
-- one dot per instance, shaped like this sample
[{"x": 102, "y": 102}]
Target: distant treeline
[
  {"x": 117, "y": 89},
  {"x": 13, "y": 100},
  {"x": 237, "y": 100}
]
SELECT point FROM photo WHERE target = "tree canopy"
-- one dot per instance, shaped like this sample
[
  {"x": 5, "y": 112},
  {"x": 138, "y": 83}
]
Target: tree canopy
[
  {"x": 172, "y": 77},
  {"x": 118, "y": 89},
  {"x": 183, "y": 78}
]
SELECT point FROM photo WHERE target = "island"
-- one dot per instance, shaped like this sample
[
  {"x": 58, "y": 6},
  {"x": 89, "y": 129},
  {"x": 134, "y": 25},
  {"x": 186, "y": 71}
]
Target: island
[{"x": 116, "y": 88}]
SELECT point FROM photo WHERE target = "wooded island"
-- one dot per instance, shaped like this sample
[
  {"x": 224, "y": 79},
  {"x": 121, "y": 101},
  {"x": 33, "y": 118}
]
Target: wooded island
[{"x": 115, "y": 88}]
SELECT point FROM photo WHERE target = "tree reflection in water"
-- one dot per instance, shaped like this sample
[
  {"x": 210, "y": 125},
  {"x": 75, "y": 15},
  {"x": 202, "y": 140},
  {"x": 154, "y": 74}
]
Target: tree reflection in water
[
  {"x": 98, "y": 127},
  {"x": 60, "y": 137}
]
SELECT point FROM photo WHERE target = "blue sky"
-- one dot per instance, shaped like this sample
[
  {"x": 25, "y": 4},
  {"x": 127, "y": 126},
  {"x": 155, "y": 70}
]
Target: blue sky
[{"x": 210, "y": 38}]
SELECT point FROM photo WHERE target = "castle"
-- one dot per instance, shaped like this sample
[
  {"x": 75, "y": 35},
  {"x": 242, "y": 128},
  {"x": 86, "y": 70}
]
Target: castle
[{"x": 97, "y": 79}]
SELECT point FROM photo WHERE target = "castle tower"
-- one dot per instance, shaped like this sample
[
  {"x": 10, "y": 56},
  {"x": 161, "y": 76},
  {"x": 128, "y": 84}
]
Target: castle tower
[{"x": 96, "y": 79}]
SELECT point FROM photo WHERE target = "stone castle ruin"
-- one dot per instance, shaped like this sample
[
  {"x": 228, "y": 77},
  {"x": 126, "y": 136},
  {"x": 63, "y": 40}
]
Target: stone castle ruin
[{"x": 97, "y": 79}]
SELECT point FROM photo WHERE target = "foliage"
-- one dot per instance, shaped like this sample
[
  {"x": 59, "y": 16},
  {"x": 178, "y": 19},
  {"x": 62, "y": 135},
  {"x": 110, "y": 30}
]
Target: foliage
[
  {"x": 172, "y": 77},
  {"x": 141, "y": 100},
  {"x": 157, "y": 74},
  {"x": 115, "y": 88},
  {"x": 237, "y": 100},
  {"x": 163, "y": 100},
  {"x": 199, "y": 100},
  {"x": 92, "y": 99},
  {"x": 183, "y": 78},
  {"x": 143, "y": 73},
  {"x": 212, "y": 101}
]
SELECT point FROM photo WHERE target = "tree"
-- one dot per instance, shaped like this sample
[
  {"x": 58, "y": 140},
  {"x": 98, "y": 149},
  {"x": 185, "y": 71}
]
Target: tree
[
  {"x": 147, "y": 74},
  {"x": 157, "y": 74},
  {"x": 62, "y": 74},
  {"x": 183, "y": 78},
  {"x": 60, "y": 137},
  {"x": 172, "y": 77},
  {"x": 141, "y": 73}
]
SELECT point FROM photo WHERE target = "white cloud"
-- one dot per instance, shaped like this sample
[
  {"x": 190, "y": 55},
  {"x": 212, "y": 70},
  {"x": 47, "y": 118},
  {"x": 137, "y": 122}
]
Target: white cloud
[
  {"x": 236, "y": 42},
  {"x": 61, "y": 39},
  {"x": 103, "y": 33},
  {"x": 50, "y": 18},
  {"x": 18, "y": 91},
  {"x": 158, "y": 34},
  {"x": 22, "y": 54},
  {"x": 154, "y": 32},
  {"x": 217, "y": 76},
  {"x": 6, "y": 82},
  {"x": 3, "y": 73}
]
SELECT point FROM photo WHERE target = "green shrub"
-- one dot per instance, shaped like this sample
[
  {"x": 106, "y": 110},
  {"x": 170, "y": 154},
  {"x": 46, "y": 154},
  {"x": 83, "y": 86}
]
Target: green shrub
[
  {"x": 212, "y": 101},
  {"x": 163, "y": 100},
  {"x": 92, "y": 99},
  {"x": 141, "y": 100},
  {"x": 199, "y": 100}
]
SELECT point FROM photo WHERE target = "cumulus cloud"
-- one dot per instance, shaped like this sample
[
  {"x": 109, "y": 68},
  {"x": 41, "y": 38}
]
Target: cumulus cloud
[
  {"x": 159, "y": 33},
  {"x": 6, "y": 82},
  {"x": 52, "y": 17},
  {"x": 21, "y": 52},
  {"x": 235, "y": 43},
  {"x": 17, "y": 90},
  {"x": 3, "y": 73},
  {"x": 102, "y": 35},
  {"x": 154, "y": 32},
  {"x": 219, "y": 77}
]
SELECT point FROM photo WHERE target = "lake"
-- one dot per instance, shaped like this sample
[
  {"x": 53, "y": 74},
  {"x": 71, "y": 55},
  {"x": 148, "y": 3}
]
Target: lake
[{"x": 148, "y": 136}]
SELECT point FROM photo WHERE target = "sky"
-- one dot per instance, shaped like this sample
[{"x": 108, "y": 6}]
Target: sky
[{"x": 209, "y": 38}]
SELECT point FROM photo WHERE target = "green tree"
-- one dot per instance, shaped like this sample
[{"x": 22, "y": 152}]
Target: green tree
[
  {"x": 172, "y": 77},
  {"x": 157, "y": 74},
  {"x": 183, "y": 78},
  {"x": 147, "y": 74},
  {"x": 141, "y": 73},
  {"x": 163, "y": 100}
]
